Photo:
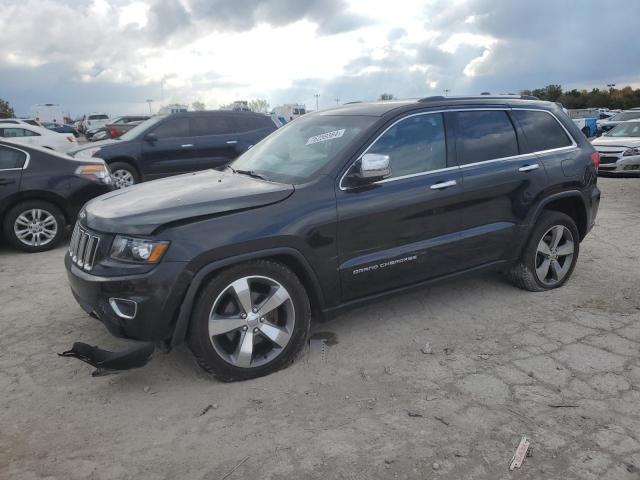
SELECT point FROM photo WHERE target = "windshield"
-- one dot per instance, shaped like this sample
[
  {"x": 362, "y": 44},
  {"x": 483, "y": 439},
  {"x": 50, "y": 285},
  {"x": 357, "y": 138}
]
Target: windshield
[
  {"x": 295, "y": 152},
  {"x": 622, "y": 116},
  {"x": 140, "y": 128},
  {"x": 627, "y": 129}
]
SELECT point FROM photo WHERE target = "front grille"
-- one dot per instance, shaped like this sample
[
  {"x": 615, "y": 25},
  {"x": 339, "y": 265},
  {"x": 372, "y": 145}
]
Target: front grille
[
  {"x": 83, "y": 247},
  {"x": 608, "y": 159}
]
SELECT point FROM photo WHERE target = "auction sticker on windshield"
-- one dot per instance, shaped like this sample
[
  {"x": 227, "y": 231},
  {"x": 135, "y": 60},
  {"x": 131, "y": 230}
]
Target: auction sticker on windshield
[{"x": 325, "y": 136}]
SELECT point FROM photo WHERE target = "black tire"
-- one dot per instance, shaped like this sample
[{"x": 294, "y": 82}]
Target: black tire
[
  {"x": 117, "y": 167},
  {"x": 202, "y": 345},
  {"x": 586, "y": 132},
  {"x": 523, "y": 273},
  {"x": 26, "y": 207}
]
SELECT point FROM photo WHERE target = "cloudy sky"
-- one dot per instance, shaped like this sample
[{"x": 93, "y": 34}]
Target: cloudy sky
[{"x": 112, "y": 55}]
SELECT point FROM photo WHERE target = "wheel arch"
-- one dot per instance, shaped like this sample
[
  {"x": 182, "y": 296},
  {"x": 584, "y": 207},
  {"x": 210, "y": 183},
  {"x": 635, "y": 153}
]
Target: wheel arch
[
  {"x": 289, "y": 257},
  {"x": 126, "y": 159},
  {"x": 571, "y": 204},
  {"x": 43, "y": 195}
]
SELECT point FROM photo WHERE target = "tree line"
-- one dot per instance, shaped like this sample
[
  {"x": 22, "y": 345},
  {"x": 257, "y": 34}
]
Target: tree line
[{"x": 623, "y": 98}]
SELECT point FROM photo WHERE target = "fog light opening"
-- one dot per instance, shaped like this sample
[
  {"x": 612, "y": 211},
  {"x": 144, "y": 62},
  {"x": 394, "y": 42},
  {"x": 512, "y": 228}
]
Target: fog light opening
[{"x": 124, "y": 308}]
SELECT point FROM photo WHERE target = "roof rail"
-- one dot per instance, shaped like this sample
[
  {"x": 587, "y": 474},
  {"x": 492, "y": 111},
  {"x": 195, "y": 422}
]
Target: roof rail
[{"x": 438, "y": 98}]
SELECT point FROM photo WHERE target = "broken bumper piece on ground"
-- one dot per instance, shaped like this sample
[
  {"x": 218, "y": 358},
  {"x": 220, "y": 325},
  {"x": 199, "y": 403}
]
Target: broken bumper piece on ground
[{"x": 107, "y": 362}]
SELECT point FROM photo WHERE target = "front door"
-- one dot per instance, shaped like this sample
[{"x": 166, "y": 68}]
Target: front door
[
  {"x": 404, "y": 228},
  {"x": 171, "y": 150}
]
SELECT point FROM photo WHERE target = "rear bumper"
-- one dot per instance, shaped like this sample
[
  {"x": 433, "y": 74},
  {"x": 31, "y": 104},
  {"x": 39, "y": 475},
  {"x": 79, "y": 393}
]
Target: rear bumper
[{"x": 157, "y": 296}]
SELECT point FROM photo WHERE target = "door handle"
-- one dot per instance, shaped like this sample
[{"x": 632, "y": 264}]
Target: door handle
[
  {"x": 6, "y": 182},
  {"x": 232, "y": 142},
  {"x": 528, "y": 168},
  {"x": 441, "y": 185},
  {"x": 187, "y": 145}
]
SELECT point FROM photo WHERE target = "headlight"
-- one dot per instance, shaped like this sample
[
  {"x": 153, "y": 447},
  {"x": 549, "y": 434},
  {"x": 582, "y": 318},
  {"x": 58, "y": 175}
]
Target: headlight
[
  {"x": 95, "y": 173},
  {"x": 87, "y": 153},
  {"x": 137, "y": 250},
  {"x": 631, "y": 151}
]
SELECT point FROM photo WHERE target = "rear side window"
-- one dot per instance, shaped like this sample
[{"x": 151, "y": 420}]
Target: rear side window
[
  {"x": 485, "y": 135},
  {"x": 10, "y": 158},
  {"x": 15, "y": 132},
  {"x": 249, "y": 123},
  {"x": 172, "y": 128},
  {"x": 210, "y": 125},
  {"x": 542, "y": 131},
  {"x": 414, "y": 145}
]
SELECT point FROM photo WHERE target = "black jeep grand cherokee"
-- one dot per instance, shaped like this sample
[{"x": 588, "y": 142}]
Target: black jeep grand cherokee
[{"x": 332, "y": 210}]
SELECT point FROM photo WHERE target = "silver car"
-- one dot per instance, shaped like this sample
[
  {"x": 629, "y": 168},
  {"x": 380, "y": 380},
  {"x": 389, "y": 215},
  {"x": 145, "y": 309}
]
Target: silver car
[{"x": 619, "y": 149}]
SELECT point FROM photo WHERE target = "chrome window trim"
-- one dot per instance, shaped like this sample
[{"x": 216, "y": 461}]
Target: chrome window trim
[
  {"x": 26, "y": 162},
  {"x": 460, "y": 167}
]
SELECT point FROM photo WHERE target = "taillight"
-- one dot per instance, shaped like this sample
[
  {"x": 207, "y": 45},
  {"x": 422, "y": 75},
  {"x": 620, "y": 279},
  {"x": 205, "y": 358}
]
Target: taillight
[
  {"x": 113, "y": 132},
  {"x": 595, "y": 159}
]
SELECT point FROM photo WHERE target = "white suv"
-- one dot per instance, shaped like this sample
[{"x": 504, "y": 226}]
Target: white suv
[{"x": 94, "y": 120}]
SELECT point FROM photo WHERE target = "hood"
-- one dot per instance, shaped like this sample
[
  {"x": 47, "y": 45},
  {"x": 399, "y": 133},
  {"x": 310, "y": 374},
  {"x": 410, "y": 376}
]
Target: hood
[
  {"x": 616, "y": 142},
  {"x": 86, "y": 146},
  {"x": 143, "y": 208}
]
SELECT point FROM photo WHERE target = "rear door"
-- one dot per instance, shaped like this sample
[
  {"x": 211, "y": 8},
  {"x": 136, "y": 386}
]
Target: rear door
[
  {"x": 12, "y": 161},
  {"x": 404, "y": 228},
  {"x": 501, "y": 183}
]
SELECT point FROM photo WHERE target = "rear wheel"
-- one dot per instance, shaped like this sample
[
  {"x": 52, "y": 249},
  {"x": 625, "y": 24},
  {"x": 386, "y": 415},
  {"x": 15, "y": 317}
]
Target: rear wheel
[
  {"x": 550, "y": 255},
  {"x": 587, "y": 132},
  {"x": 249, "y": 321},
  {"x": 34, "y": 226},
  {"x": 123, "y": 174}
]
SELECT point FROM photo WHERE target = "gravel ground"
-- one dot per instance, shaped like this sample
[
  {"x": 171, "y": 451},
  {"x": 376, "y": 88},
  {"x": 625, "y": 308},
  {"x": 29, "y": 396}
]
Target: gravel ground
[{"x": 561, "y": 367}]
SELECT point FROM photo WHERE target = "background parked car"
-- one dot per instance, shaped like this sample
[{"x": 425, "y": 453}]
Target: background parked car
[
  {"x": 24, "y": 121},
  {"x": 61, "y": 128},
  {"x": 41, "y": 193},
  {"x": 619, "y": 149},
  {"x": 178, "y": 143},
  {"x": 608, "y": 124},
  {"x": 47, "y": 112},
  {"x": 38, "y": 136},
  {"x": 94, "y": 120}
]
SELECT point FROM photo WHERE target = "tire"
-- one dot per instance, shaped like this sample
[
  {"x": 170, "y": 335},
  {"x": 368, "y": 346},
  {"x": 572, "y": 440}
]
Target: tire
[
  {"x": 223, "y": 354},
  {"x": 586, "y": 132},
  {"x": 526, "y": 273},
  {"x": 124, "y": 174},
  {"x": 34, "y": 226}
]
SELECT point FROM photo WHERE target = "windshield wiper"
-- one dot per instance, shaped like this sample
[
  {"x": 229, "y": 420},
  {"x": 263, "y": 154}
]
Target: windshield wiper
[{"x": 251, "y": 173}]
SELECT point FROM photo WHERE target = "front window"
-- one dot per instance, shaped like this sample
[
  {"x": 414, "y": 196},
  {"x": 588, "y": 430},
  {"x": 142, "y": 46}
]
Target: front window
[
  {"x": 297, "y": 151},
  {"x": 629, "y": 129}
]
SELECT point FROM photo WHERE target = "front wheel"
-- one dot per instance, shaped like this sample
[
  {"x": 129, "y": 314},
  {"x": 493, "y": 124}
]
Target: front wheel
[
  {"x": 550, "y": 255},
  {"x": 123, "y": 174},
  {"x": 250, "y": 320}
]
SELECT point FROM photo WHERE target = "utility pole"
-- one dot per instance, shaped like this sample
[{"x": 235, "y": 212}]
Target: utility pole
[
  {"x": 611, "y": 85},
  {"x": 317, "y": 95},
  {"x": 446, "y": 91},
  {"x": 337, "y": 101},
  {"x": 149, "y": 102}
]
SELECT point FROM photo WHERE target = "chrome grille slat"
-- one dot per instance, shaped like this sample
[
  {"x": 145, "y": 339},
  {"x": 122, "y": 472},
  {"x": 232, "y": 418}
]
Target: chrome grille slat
[{"x": 83, "y": 247}]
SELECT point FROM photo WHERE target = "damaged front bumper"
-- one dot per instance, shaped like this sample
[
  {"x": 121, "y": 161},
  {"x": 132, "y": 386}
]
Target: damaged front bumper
[{"x": 107, "y": 362}]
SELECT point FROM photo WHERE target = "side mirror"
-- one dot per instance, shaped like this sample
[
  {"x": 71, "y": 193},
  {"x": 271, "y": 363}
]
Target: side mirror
[
  {"x": 150, "y": 137},
  {"x": 374, "y": 166}
]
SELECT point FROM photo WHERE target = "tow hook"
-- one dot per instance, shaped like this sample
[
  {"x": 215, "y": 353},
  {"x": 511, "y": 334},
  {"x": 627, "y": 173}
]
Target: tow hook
[{"x": 107, "y": 362}]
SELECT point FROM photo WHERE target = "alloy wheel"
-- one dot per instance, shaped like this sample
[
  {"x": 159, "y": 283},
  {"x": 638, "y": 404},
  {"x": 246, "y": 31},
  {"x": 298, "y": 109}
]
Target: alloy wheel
[
  {"x": 35, "y": 227},
  {"x": 251, "y": 321},
  {"x": 122, "y": 178},
  {"x": 554, "y": 255}
]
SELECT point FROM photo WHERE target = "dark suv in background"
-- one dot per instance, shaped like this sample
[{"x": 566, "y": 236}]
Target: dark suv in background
[
  {"x": 335, "y": 209},
  {"x": 178, "y": 143}
]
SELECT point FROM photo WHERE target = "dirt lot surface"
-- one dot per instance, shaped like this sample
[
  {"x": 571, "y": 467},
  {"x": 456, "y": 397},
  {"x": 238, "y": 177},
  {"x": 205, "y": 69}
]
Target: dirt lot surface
[{"x": 562, "y": 368}]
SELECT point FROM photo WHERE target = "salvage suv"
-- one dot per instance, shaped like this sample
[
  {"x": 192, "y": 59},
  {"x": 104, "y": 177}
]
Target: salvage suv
[{"x": 335, "y": 209}]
